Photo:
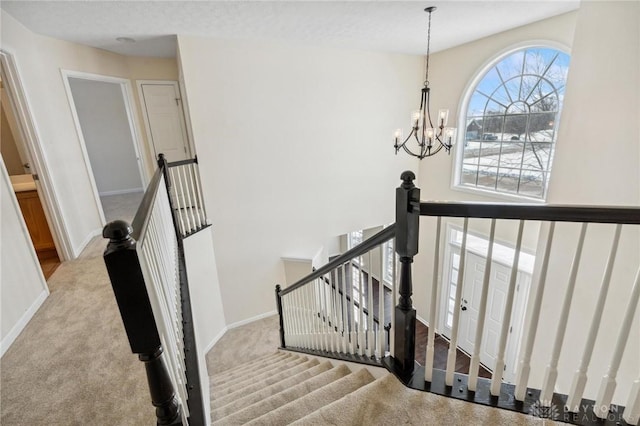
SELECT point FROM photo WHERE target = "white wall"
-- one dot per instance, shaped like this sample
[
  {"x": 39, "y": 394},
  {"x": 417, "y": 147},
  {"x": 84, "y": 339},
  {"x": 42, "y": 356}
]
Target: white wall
[
  {"x": 603, "y": 81},
  {"x": 39, "y": 61},
  {"x": 107, "y": 135},
  {"x": 450, "y": 73},
  {"x": 206, "y": 301},
  {"x": 22, "y": 285},
  {"x": 294, "y": 144}
]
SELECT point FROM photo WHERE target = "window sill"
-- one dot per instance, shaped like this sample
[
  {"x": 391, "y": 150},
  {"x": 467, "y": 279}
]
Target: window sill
[{"x": 497, "y": 195}]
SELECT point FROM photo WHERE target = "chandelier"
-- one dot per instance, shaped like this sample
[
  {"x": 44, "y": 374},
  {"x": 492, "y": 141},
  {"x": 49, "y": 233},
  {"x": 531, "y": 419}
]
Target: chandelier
[{"x": 425, "y": 139}]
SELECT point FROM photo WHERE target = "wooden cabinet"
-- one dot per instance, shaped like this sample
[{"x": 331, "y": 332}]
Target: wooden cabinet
[{"x": 36, "y": 224}]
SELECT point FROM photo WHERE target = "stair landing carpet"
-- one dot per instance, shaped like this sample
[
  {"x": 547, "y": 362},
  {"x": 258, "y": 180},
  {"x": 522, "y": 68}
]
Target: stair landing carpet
[{"x": 288, "y": 388}]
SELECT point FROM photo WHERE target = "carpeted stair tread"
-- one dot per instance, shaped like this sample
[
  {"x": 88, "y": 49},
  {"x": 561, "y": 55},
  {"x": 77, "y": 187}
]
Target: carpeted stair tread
[
  {"x": 284, "y": 397},
  {"x": 250, "y": 378},
  {"x": 218, "y": 412},
  {"x": 241, "y": 369},
  {"x": 386, "y": 401},
  {"x": 256, "y": 386},
  {"x": 315, "y": 400}
]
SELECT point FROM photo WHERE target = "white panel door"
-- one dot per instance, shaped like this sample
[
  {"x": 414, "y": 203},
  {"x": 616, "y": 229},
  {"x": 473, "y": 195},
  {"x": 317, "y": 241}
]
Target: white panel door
[
  {"x": 470, "y": 308},
  {"x": 165, "y": 120}
]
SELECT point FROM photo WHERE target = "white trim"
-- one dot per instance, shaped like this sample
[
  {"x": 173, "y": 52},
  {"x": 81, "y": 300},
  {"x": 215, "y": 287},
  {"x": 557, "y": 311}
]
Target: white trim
[
  {"x": 215, "y": 340},
  {"x": 8, "y": 340},
  {"x": 465, "y": 97},
  {"x": 121, "y": 192},
  {"x": 77, "y": 251},
  {"x": 145, "y": 117},
  {"x": 125, "y": 87},
  {"x": 46, "y": 189},
  {"x": 252, "y": 319}
]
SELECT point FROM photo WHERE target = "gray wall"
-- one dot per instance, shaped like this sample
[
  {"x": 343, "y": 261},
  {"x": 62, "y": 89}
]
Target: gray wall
[{"x": 107, "y": 135}]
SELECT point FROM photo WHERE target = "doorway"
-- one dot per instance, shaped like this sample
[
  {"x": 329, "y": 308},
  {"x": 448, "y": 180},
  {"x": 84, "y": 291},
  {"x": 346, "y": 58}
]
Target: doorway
[
  {"x": 103, "y": 114},
  {"x": 164, "y": 118},
  {"x": 23, "y": 178},
  {"x": 475, "y": 261}
]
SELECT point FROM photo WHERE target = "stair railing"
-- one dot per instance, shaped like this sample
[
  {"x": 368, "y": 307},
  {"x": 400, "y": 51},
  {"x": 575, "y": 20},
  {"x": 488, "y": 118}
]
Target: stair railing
[
  {"x": 332, "y": 311},
  {"x": 145, "y": 262},
  {"x": 185, "y": 194},
  {"x": 571, "y": 407}
]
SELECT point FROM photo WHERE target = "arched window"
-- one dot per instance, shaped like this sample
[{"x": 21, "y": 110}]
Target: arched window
[{"x": 511, "y": 123}]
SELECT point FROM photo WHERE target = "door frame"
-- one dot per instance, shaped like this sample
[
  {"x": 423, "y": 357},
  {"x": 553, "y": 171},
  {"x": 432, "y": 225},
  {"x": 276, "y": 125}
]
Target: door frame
[
  {"x": 129, "y": 105},
  {"x": 519, "y": 302},
  {"x": 33, "y": 145},
  {"x": 145, "y": 116}
]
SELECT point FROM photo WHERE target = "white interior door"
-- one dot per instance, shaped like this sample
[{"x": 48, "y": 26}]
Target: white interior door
[{"x": 164, "y": 119}]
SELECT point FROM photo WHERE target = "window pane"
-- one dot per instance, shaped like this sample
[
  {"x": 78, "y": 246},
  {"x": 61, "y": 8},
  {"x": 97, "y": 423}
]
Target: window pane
[
  {"x": 487, "y": 177},
  {"x": 508, "y": 181},
  {"x": 531, "y": 184},
  {"x": 469, "y": 173},
  {"x": 512, "y": 120}
]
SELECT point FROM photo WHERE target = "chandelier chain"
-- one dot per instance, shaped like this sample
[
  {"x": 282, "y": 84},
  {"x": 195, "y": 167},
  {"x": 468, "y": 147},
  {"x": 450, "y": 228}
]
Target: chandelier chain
[{"x": 426, "y": 77}]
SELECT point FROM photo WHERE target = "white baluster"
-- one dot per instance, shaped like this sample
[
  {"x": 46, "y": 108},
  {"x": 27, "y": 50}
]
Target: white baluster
[
  {"x": 453, "y": 344},
  {"x": 199, "y": 184},
  {"x": 631, "y": 413},
  {"x": 428, "y": 366},
  {"x": 580, "y": 376},
  {"x": 475, "y": 358},
  {"x": 393, "y": 302},
  {"x": 345, "y": 317},
  {"x": 196, "y": 194},
  {"x": 361, "y": 321},
  {"x": 551, "y": 372},
  {"x": 183, "y": 205},
  {"x": 608, "y": 384},
  {"x": 323, "y": 314},
  {"x": 188, "y": 200},
  {"x": 524, "y": 367},
  {"x": 380, "y": 336},
  {"x": 335, "y": 307},
  {"x": 370, "y": 350},
  {"x": 193, "y": 196},
  {"x": 353, "y": 334},
  {"x": 178, "y": 204},
  {"x": 496, "y": 377}
]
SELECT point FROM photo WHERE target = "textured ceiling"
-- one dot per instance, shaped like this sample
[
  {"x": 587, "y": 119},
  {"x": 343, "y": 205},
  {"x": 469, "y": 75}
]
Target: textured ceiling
[{"x": 392, "y": 26}]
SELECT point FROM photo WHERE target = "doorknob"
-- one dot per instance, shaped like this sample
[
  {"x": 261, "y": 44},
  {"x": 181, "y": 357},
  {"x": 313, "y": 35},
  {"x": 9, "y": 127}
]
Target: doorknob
[{"x": 463, "y": 308}]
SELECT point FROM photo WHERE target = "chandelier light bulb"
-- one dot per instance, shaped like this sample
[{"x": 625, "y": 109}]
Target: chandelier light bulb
[
  {"x": 397, "y": 135},
  {"x": 443, "y": 117},
  {"x": 450, "y": 136},
  {"x": 415, "y": 118}
]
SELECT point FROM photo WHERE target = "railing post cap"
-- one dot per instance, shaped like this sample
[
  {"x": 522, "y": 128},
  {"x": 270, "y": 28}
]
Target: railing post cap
[
  {"x": 407, "y": 178},
  {"x": 117, "y": 231}
]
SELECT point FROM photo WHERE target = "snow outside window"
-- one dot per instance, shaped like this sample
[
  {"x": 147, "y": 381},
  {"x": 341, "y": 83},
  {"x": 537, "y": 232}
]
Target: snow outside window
[{"x": 511, "y": 123}]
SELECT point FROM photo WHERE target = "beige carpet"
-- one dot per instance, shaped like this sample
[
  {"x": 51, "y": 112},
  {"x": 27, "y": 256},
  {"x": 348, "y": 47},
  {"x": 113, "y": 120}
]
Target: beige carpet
[
  {"x": 72, "y": 364},
  {"x": 287, "y": 388}
]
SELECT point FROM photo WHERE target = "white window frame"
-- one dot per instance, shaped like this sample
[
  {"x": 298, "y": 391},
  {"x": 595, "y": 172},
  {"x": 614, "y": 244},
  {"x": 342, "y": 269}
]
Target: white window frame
[{"x": 467, "y": 93}]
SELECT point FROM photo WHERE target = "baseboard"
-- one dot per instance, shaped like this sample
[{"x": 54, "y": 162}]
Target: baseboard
[
  {"x": 252, "y": 319},
  {"x": 215, "y": 340},
  {"x": 22, "y": 323},
  {"x": 120, "y": 192},
  {"x": 86, "y": 241}
]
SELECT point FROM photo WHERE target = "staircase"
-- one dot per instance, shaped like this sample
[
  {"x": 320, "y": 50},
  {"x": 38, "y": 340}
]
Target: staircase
[{"x": 286, "y": 388}]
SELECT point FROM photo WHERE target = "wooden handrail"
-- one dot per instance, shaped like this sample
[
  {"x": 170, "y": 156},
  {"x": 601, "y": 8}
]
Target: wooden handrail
[
  {"x": 143, "y": 213},
  {"x": 381, "y": 237},
  {"x": 183, "y": 162},
  {"x": 544, "y": 212}
]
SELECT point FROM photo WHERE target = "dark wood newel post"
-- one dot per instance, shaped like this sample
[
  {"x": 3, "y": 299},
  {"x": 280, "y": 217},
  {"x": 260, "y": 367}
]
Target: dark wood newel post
[
  {"x": 407, "y": 226},
  {"x": 280, "y": 317},
  {"x": 127, "y": 281}
]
